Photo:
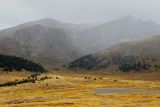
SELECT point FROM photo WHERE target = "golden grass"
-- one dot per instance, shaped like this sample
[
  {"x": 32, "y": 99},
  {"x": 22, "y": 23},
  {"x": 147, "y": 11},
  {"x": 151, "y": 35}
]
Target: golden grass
[{"x": 73, "y": 90}]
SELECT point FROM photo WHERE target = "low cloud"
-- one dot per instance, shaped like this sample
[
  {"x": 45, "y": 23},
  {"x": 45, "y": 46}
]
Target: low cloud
[{"x": 14, "y": 12}]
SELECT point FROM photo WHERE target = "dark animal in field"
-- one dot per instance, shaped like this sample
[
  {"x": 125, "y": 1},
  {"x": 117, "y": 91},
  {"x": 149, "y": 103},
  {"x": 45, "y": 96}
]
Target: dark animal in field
[
  {"x": 89, "y": 78},
  {"x": 57, "y": 77},
  {"x": 115, "y": 80}
]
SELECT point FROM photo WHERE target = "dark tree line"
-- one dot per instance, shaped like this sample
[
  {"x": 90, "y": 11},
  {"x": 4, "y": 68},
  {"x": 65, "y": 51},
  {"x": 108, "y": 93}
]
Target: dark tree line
[
  {"x": 10, "y": 63},
  {"x": 132, "y": 63},
  {"x": 87, "y": 62},
  {"x": 139, "y": 64},
  {"x": 124, "y": 63}
]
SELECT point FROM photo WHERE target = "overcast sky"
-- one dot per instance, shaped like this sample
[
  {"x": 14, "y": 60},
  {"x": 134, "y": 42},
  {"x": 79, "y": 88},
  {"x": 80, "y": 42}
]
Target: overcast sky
[{"x": 13, "y": 12}]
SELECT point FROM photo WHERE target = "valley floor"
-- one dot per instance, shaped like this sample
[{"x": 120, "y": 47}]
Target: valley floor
[{"x": 70, "y": 89}]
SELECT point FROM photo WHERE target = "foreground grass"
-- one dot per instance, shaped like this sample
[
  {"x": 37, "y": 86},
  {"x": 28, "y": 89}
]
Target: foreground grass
[{"x": 70, "y": 89}]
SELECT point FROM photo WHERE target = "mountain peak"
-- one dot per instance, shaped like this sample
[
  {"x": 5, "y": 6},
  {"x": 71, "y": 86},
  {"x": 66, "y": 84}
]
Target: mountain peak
[
  {"x": 47, "y": 20},
  {"x": 129, "y": 17}
]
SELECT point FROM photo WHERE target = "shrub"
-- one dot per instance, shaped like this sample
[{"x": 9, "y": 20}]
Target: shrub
[{"x": 31, "y": 79}]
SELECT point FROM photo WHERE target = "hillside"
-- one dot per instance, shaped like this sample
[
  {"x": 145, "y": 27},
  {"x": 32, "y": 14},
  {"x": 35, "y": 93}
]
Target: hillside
[
  {"x": 51, "y": 42},
  {"x": 45, "y": 41},
  {"x": 10, "y": 63},
  {"x": 106, "y": 35},
  {"x": 135, "y": 55}
]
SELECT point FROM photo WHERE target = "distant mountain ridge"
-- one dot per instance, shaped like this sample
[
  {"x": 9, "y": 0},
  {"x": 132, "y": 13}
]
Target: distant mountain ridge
[
  {"x": 106, "y": 35},
  {"x": 51, "y": 42}
]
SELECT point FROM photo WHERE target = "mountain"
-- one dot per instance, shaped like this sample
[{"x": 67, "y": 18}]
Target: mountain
[
  {"x": 45, "y": 41},
  {"x": 51, "y": 42},
  {"x": 133, "y": 55},
  {"x": 128, "y": 28},
  {"x": 147, "y": 47}
]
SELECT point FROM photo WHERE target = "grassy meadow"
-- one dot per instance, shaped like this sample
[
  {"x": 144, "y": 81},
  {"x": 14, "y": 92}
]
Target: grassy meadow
[{"x": 76, "y": 89}]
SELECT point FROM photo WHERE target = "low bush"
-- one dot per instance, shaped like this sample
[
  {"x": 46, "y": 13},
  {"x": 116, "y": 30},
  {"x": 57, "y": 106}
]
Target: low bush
[{"x": 31, "y": 79}]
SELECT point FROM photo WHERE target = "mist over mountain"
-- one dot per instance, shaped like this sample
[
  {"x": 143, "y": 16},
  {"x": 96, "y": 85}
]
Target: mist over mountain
[
  {"x": 46, "y": 41},
  {"x": 105, "y": 35},
  {"x": 51, "y": 42},
  {"x": 142, "y": 53}
]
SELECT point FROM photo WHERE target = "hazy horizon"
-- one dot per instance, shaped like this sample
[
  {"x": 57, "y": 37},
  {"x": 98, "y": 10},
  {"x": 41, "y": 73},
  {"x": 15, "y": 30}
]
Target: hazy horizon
[{"x": 76, "y": 11}]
